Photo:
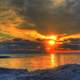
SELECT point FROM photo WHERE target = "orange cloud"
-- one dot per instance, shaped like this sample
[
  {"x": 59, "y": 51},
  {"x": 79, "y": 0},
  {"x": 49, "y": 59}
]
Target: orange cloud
[{"x": 71, "y": 36}]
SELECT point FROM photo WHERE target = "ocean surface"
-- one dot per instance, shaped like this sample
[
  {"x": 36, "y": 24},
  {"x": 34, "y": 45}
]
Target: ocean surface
[{"x": 39, "y": 61}]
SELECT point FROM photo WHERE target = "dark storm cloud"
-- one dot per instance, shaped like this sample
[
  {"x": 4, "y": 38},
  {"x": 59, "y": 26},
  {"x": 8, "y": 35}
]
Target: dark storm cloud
[{"x": 64, "y": 17}]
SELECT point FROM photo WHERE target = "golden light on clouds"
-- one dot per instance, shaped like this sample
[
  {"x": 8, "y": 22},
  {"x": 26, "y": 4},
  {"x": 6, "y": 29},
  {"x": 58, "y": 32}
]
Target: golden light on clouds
[
  {"x": 71, "y": 36},
  {"x": 52, "y": 37},
  {"x": 9, "y": 26},
  {"x": 58, "y": 3},
  {"x": 25, "y": 34}
]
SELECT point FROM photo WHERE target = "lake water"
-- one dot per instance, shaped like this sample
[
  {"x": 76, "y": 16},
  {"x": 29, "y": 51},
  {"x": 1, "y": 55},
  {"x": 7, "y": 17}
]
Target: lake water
[{"x": 37, "y": 61}]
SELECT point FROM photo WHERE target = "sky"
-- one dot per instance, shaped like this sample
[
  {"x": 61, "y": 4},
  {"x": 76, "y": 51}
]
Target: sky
[{"x": 56, "y": 16}]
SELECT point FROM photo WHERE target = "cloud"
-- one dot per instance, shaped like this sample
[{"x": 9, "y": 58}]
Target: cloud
[
  {"x": 58, "y": 16},
  {"x": 63, "y": 19}
]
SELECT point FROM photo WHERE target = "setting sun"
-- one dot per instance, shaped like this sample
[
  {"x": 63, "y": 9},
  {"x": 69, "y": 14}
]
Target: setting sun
[{"x": 51, "y": 42}]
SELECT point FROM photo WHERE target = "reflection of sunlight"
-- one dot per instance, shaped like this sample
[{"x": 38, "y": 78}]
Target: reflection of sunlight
[
  {"x": 15, "y": 63},
  {"x": 52, "y": 60}
]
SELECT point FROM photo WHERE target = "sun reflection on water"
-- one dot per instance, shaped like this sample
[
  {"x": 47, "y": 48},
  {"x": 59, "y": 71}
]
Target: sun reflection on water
[{"x": 53, "y": 60}]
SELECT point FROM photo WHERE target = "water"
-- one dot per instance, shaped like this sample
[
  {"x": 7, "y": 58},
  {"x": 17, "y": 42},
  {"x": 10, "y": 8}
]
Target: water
[
  {"x": 39, "y": 61},
  {"x": 30, "y": 62}
]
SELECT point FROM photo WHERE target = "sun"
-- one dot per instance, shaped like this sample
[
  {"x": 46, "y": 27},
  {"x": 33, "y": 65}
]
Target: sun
[{"x": 51, "y": 42}]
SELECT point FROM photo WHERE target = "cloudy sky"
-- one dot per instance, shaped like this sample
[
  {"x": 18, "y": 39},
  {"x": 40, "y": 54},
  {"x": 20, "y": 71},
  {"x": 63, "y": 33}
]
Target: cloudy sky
[{"x": 57, "y": 16}]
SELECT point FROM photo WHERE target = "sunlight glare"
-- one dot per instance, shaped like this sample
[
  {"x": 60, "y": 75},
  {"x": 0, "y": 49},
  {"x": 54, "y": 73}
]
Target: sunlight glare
[
  {"x": 53, "y": 37},
  {"x": 51, "y": 42},
  {"x": 52, "y": 60}
]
